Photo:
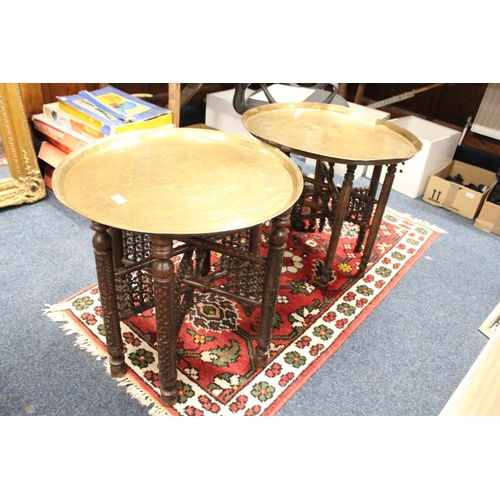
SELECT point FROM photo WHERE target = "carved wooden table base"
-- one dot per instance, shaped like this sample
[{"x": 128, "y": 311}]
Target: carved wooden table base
[
  {"x": 335, "y": 134},
  {"x": 340, "y": 217},
  {"x": 145, "y": 188},
  {"x": 170, "y": 290}
]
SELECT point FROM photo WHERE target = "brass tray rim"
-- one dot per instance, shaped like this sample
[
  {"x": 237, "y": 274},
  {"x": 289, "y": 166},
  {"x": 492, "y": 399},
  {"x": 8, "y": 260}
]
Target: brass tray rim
[
  {"x": 190, "y": 133},
  {"x": 335, "y": 109}
]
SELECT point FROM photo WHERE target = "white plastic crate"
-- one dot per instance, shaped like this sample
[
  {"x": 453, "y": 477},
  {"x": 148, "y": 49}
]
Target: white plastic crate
[{"x": 221, "y": 115}]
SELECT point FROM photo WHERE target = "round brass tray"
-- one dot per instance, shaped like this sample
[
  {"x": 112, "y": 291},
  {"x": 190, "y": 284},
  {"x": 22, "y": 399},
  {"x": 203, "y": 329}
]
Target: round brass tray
[
  {"x": 178, "y": 181},
  {"x": 332, "y": 133}
]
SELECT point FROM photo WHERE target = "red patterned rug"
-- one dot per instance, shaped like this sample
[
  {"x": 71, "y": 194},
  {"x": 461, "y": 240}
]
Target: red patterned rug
[{"x": 217, "y": 373}]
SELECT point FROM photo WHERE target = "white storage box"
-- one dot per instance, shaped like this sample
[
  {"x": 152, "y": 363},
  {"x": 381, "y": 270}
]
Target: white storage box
[
  {"x": 439, "y": 144},
  {"x": 221, "y": 115}
]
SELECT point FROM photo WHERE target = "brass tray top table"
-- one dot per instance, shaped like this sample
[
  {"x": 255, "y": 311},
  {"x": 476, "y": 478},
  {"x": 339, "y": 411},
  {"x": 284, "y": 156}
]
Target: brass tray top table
[
  {"x": 335, "y": 134},
  {"x": 163, "y": 195}
]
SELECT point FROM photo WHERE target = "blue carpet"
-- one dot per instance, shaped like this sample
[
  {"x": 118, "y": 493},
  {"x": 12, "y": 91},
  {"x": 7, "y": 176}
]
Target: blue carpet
[{"x": 407, "y": 358}]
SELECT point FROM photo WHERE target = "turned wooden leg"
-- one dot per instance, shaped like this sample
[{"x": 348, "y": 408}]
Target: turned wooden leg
[
  {"x": 360, "y": 239},
  {"x": 255, "y": 240},
  {"x": 203, "y": 257},
  {"x": 372, "y": 195},
  {"x": 165, "y": 300},
  {"x": 103, "y": 252},
  {"x": 338, "y": 222},
  {"x": 377, "y": 217},
  {"x": 274, "y": 262},
  {"x": 376, "y": 174}
]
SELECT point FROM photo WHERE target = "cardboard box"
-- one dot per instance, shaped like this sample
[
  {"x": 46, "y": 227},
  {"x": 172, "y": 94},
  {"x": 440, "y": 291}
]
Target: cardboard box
[
  {"x": 439, "y": 144},
  {"x": 489, "y": 218},
  {"x": 457, "y": 197}
]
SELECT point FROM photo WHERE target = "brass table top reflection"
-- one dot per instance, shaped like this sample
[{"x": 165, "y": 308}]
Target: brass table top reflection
[
  {"x": 178, "y": 181},
  {"x": 332, "y": 133}
]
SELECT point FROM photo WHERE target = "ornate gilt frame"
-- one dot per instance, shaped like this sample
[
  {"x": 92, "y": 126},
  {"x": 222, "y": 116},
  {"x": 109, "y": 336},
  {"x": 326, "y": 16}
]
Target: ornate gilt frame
[{"x": 26, "y": 183}]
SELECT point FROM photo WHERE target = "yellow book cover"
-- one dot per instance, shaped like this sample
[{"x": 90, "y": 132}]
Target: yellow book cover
[
  {"x": 111, "y": 111},
  {"x": 116, "y": 129}
]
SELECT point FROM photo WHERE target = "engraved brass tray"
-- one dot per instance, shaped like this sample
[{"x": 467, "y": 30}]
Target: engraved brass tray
[
  {"x": 178, "y": 181},
  {"x": 331, "y": 133}
]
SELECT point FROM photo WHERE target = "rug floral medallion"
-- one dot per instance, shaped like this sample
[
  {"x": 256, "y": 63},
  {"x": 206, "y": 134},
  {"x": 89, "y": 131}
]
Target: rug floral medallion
[{"x": 217, "y": 372}]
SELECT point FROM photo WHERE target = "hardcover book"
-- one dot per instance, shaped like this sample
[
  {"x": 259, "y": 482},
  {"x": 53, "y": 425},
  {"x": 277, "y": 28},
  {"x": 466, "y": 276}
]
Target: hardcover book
[
  {"x": 112, "y": 111},
  {"x": 53, "y": 112},
  {"x": 66, "y": 140},
  {"x": 51, "y": 155},
  {"x": 122, "y": 105}
]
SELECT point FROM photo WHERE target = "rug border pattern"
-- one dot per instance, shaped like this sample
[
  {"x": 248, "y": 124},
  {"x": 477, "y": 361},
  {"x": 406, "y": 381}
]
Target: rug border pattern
[{"x": 295, "y": 378}]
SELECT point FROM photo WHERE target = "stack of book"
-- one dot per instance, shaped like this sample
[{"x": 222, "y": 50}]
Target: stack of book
[{"x": 76, "y": 120}]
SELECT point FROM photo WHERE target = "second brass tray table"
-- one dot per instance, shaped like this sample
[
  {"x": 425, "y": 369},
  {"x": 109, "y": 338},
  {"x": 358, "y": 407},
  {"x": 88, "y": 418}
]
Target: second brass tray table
[{"x": 335, "y": 134}]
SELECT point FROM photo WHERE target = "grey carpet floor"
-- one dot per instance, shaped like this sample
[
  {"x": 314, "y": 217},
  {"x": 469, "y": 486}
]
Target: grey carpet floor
[{"x": 405, "y": 359}]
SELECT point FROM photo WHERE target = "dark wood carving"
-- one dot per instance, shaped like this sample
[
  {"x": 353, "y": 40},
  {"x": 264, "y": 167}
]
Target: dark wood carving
[
  {"x": 377, "y": 217},
  {"x": 166, "y": 305},
  {"x": 103, "y": 252},
  {"x": 138, "y": 271},
  {"x": 275, "y": 253}
]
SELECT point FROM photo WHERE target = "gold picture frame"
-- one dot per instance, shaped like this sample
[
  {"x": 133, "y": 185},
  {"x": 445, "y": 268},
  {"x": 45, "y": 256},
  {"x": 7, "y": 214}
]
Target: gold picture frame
[{"x": 25, "y": 183}]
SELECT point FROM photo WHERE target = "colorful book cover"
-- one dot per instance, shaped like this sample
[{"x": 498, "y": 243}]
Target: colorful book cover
[
  {"x": 67, "y": 140},
  {"x": 89, "y": 113},
  {"x": 51, "y": 154},
  {"x": 53, "y": 112},
  {"x": 121, "y": 105}
]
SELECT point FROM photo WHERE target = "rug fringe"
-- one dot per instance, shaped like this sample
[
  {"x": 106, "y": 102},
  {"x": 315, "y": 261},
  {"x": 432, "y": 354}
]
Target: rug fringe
[
  {"x": 417, "y": 221},
  {"x": 62, "y": 306},
  {"x": 56, "y": 314},
  {"x": 142, "y": 397}
]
